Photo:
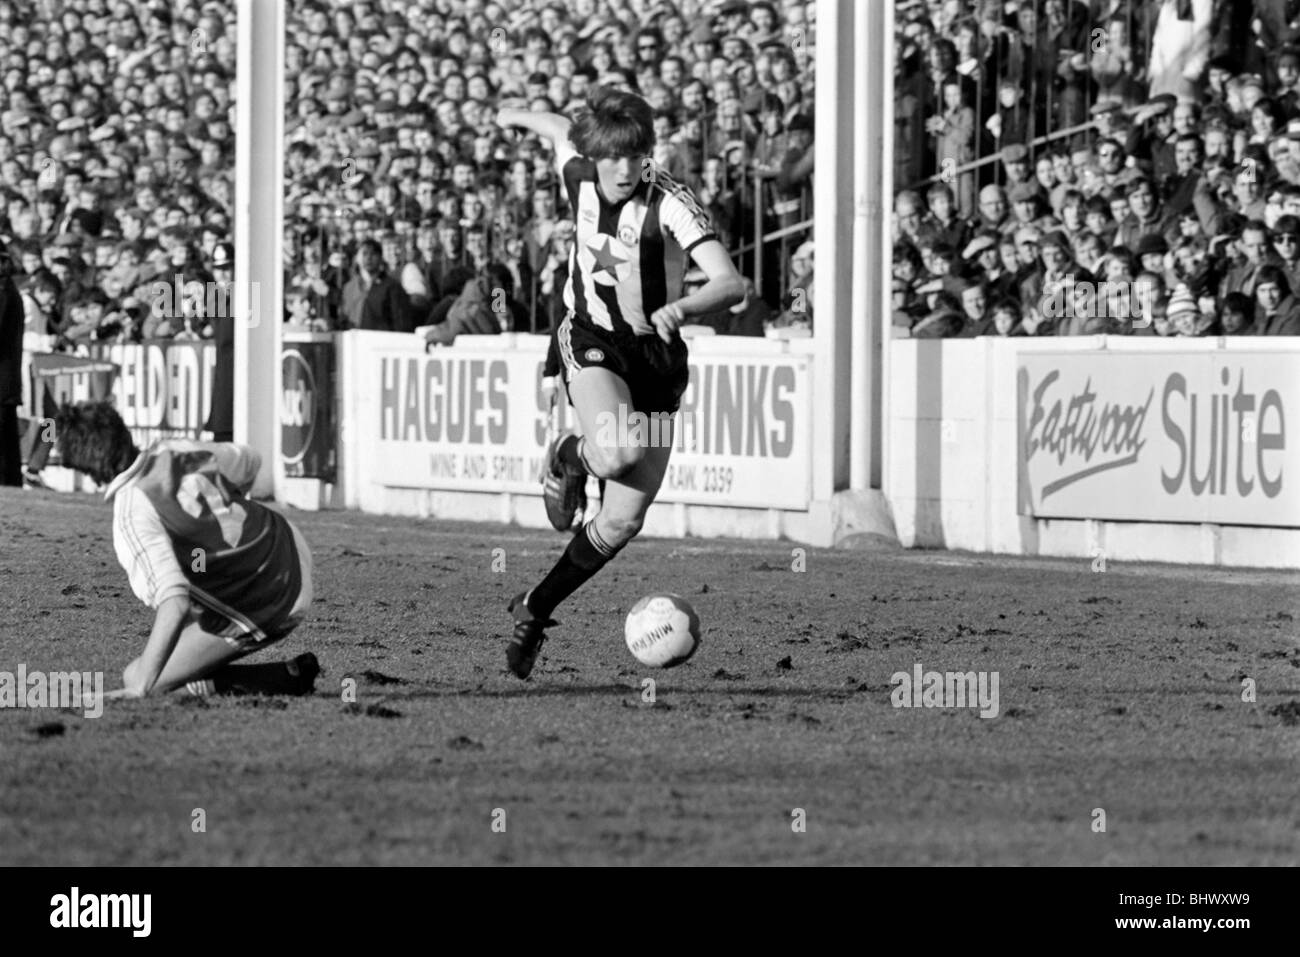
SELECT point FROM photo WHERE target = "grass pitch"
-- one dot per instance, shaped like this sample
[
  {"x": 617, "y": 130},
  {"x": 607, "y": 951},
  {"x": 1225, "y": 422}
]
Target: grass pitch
[{"x": 1120, "y": 691}]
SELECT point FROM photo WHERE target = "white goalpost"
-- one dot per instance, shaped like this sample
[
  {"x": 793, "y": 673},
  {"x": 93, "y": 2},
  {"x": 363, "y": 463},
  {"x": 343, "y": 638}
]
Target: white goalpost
[{"x": 259, "y": 230}]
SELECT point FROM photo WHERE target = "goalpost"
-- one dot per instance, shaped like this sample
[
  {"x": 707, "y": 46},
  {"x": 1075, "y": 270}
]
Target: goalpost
[{"x": 259, "y": 231}]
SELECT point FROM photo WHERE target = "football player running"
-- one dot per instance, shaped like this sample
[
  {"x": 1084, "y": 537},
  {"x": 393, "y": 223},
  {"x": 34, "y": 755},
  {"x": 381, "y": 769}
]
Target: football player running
[{"x": 620, "y": 349}]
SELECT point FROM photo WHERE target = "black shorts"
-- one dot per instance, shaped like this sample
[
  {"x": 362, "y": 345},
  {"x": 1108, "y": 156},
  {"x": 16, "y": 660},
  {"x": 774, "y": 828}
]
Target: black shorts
[{"x": 656, "y": 372}]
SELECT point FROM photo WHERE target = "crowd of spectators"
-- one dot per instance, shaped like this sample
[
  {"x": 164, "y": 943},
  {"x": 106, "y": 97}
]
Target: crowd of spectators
[
  {"x": 406, "y": 199},
  {"x": 116, "y": 164},
  {"x": 117, "y": 154},
  {"x": 1073, "y": 167}
]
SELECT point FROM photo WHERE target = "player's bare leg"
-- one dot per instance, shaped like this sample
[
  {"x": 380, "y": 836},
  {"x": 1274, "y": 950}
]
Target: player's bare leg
[
  {"x": 632, "y": 472},
  {"x": 205, "y": 660}
]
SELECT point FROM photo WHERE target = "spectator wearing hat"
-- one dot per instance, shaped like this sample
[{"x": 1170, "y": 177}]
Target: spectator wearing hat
[
  {"x": 998, "y": 264},
  {"x": 1016, "y": 168},
  {"x": 1182, "y": 314},
  {"x": 1151, "y": 251},
  {"x": 1277, "y": 312},
  {"x": 1029, "y": 274},
  {"x": 1026, "y": 207}
]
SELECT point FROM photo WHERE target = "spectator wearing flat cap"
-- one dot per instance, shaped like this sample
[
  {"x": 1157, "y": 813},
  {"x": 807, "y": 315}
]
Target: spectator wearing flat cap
[
  {"x": 1016, "y": 168},
  {"x": 1027, "y": 207}
]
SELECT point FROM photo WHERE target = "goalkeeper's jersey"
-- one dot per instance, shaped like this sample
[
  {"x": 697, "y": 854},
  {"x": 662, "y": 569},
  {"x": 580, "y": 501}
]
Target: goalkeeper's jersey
[{"x": 182, "y": 526}]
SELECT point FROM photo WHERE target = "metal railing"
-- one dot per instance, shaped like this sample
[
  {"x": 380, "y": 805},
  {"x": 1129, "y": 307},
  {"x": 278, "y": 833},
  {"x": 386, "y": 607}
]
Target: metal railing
[
  {"x": 759, "y": 251},
  {"x": 1003, "y": 54},
  {"x": 954, "y": 172}
]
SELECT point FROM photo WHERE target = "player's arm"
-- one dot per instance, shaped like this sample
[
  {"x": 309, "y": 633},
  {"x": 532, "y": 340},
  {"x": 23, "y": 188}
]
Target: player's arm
[
  {"x": 141, "y": 675},
  {"x": 144, "y": 549},
  {"x": 552, "y": 126},
  {"x": 723, "y": 288}
]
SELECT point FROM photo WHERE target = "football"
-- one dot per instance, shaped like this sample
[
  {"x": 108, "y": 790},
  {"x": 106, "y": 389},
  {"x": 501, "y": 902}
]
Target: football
[{"x": 662, "y": 630}]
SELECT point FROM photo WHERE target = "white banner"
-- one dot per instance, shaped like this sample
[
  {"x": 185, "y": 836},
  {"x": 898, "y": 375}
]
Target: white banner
[
  {"x": 472, "y": 417},
  {"x": 1161, "y": 437}
]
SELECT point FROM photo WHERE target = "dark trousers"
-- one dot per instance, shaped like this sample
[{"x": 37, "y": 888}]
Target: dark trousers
[
  {"x": 41, "y": 446},
  {"x": 10, "y": 453}
]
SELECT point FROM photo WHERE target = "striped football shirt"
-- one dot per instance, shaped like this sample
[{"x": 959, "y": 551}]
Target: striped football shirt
[{"x": 628, "y": 258}]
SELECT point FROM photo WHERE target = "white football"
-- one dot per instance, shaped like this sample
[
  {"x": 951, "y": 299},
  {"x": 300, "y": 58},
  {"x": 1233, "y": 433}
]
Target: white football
[{"x": 662, "y": 630}]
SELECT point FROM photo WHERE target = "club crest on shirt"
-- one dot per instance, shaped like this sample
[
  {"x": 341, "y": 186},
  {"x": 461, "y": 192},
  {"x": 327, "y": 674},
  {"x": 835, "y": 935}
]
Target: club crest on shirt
[
  {"x": 607, "y": 259},
  {"x": 627, "y": 236},
  {"x": 594, "y": 355}
]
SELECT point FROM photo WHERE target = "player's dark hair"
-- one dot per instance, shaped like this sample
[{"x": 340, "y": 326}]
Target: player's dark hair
[
  {"x": 92, "y": 438},
  {"x": 614, "y": 124}
]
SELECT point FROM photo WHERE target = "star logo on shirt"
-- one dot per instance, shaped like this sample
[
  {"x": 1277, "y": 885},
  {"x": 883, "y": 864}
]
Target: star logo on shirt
[{"x": 610, "y": 260}]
